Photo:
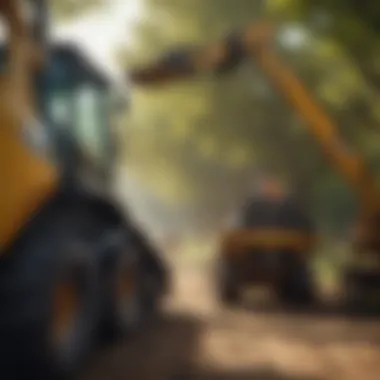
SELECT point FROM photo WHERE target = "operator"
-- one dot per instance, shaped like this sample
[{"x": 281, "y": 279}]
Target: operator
[{"x": 274, "y": 206}]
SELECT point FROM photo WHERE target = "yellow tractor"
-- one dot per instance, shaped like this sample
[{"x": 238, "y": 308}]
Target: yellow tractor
[
  {"x": 73, "y": 266},
  {"x": 271, "y": 245},
  {"x": 362, "y": 275}
]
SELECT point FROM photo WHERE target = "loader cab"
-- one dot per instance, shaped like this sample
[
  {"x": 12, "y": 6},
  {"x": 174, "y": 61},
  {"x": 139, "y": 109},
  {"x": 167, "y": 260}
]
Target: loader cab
[
  {"x": 78, "y": 102},
  {"x": 43, "y": 101}
]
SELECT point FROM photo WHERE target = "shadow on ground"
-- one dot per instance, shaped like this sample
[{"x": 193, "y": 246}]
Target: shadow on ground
[
  {"x": 249, "y": 374},
  {"x": 166, "y": 352},
  {"x": 164, "y": 349},
  {"x": 189, "y": 338},
  {"x": 309, "y": 326},
  {"x": 322, "y": 308}
]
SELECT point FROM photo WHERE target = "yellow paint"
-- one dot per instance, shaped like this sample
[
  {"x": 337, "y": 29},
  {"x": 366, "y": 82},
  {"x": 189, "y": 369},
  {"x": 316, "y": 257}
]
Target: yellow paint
[
  {"x": 237, "y": 242},
  {"x": 26, "y": 179}
]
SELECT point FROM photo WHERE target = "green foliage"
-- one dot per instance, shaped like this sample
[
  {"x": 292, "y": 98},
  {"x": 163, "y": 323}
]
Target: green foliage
[
  {"x": 65, "y": 9},
  {"x": 214, "y": 133}
]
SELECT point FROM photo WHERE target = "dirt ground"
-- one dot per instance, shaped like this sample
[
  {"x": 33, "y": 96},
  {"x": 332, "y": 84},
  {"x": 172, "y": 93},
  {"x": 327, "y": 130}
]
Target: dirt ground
[{"x": 198, "y": 339}]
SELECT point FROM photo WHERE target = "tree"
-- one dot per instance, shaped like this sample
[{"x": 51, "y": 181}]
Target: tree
[
  {"x": 355, "y": 26},
  {"x": 230, "y": 126}
]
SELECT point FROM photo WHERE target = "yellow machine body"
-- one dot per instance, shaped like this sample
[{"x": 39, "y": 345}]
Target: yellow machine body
[{"x": 27, "y": 175}]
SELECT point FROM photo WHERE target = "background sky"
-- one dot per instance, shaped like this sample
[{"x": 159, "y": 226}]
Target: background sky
[{"x": 100, "y": 32}]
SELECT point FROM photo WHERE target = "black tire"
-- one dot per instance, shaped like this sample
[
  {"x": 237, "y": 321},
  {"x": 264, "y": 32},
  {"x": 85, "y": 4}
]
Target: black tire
[
  {"x": 354, "y": 296},
  {"x": 361, "y": 289},
  {"x": 150, "y": 295},
  {"x": 227, "y": 284},
  {"x": 297, "y": 287},
  {"x": 155, "y": 279},
  {"x": 125, "y": 319},
  {"x": 27, "y": 284},
  {"x": 123, "y": 313}
]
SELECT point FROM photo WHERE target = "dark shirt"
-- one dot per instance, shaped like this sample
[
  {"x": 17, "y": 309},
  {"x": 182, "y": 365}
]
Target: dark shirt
[{"x": 261, "y": 211}]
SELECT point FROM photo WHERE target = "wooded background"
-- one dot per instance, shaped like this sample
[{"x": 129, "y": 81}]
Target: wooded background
[{"x": 197, "y": 145}]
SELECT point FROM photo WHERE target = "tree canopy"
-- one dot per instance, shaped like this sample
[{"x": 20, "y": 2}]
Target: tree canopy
[
  {"x": 66, "y": 9},
  {"x": 215, "y": 135}
]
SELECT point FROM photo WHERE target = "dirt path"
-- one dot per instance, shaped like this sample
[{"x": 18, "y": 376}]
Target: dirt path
[{"x": 197, "y": 339}]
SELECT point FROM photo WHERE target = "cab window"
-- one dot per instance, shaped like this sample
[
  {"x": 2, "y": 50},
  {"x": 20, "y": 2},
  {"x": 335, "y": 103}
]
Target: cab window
[
  {"x": 78, "y": 104},
  {"x": 60, "y": 107},
  {"x": 90, "y": 122}
]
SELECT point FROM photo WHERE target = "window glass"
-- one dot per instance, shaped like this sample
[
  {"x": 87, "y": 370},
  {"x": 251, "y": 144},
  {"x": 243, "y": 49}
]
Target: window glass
[
  {"x": 78, "y": 104},
  {"x": 61, "y": 108},
  {"x": 90, "y": 125}
]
